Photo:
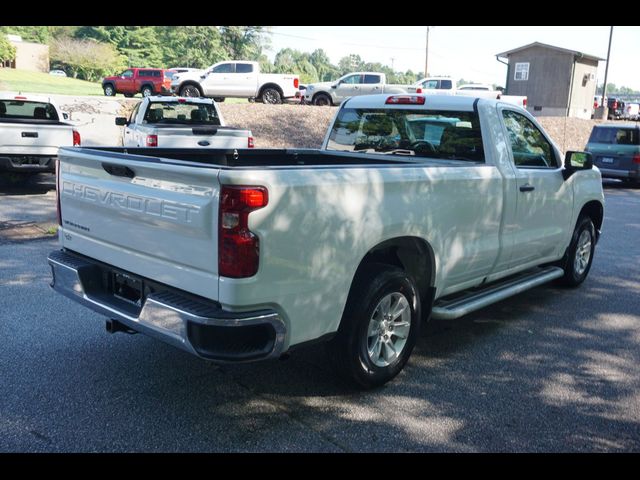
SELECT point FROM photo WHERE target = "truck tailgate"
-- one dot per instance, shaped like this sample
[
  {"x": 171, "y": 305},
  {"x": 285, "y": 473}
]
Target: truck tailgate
[
  {"x": 140, "y": 214},
  {"x": 198, "y": 137},
  {"x": 34, "y": 139}
]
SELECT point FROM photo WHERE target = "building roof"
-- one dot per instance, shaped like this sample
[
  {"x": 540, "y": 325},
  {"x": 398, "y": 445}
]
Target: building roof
[{"x": 551, "y": 47}]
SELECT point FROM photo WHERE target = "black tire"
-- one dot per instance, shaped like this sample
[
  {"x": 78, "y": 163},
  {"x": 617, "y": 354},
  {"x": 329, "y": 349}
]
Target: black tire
[
  {"x": 109, "y": 90},
  {"x": 349, "y": 349},
  {"x": 218, "y": 99},
  {"x": 146, "y": 91},
  {"x": 190, "y": 90},
  {"x": 128, "y": 95},
  {"x": 322, "y": 100},
  {"x": 576, "y": 269},
  {"x": 271, "y": 96}
]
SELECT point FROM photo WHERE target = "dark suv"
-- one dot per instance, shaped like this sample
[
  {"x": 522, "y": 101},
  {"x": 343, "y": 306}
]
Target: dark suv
[
  {"x": 616, "y": 108},
  {"x": 616, "y": 150},
  {"x": 147, "y": 81}
]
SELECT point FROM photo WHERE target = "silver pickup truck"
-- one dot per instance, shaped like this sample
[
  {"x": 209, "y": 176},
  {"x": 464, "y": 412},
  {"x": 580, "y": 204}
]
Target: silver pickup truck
[
  {"x": 177, "y": 122},
  {"x": 31, "y": 131},
  {"x": 416, "y": 206}
]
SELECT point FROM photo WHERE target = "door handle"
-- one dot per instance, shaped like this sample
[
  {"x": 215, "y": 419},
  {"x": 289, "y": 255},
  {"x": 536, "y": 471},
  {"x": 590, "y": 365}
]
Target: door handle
[{"x": 527, "y": 188}]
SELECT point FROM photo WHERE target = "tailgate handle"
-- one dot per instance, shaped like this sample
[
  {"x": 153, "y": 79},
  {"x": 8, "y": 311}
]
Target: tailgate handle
[
  {"x": 118, "y": 170},
  {"x": 29, "y": 134},
  {"x": 204, "y": 131}
]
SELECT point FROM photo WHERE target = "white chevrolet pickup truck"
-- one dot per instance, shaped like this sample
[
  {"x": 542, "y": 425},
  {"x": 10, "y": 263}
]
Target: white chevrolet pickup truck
[
  {"x": 31, "y": 131},
  {"x": 177, "y": 122},
  {"x": 417, "y": 206}
]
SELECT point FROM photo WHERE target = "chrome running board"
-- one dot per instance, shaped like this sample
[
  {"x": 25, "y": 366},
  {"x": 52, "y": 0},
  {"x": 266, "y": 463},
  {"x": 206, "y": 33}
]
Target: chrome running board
[{"x": 451, "y": 308}]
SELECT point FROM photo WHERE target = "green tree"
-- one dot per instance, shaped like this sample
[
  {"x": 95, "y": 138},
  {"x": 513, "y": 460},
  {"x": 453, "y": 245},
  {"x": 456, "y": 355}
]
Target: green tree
[
  {"x": 7, "y": 51},
  {"x": 194, "y": 46},
  {"x": 86, "y": 59},
  {"x": 243, "y": 43},
  {"x": 350, "y": 63},
  {"x": 38, "y": 34}
]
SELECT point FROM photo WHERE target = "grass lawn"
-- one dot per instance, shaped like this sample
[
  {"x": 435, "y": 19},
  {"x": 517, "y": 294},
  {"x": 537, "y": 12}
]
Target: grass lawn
[{"x": 36, "y": 82}]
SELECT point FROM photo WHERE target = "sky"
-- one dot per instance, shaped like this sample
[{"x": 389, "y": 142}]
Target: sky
[{"x": 467, "y": 52}]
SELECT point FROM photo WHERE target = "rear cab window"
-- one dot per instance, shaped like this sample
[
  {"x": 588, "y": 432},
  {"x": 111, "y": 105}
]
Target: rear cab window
[
  {"x": 27, "y": 110},
  {"x": 448, "y": 135},
  {"x": 615, "y": 136},
  {"x": 187, "y": 113}
]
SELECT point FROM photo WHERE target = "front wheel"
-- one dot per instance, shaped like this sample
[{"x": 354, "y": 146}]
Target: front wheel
[
  {"x": 109, "y": 91},
  {"x": 322, "y": 100},
  {"x": 579, "y": 256},
  {"x": 190, "y": 91},
  {"x": 379, "y": 327}
]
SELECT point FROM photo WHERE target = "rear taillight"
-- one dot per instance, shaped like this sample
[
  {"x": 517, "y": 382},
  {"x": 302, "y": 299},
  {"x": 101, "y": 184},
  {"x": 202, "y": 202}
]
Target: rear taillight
[
  {"x": 418, "y": 90},
  {"x": 238, "y": 247},
  {"x": 524, "y": 102},
  {"x": 250, "y": 142},
  {"x": 636, "y": 158},
  {"x": 296, "y": 82},
  {"x": 152, "y": 140},
  {"x": 76, "y": 138},
  {"x": 58, "y": 211},
  {"x": 405, "y": 100},
  {"x": 615, "y": 105}
]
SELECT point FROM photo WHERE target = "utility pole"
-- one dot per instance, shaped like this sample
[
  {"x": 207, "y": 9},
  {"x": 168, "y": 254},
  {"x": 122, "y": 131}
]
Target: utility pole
[
  {"x": 426, "y": 56},
  {"x": 392, "y": 59},
  {"x": 603, "y": 112}
]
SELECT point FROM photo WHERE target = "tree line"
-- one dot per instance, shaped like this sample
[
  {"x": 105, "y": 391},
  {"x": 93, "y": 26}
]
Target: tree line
[{"x": 92, "y": 52}]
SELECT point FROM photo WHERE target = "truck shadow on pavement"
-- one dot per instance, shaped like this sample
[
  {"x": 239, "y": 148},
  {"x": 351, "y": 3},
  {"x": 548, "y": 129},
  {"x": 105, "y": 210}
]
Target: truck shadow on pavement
[{"x": 34, "y": 185}]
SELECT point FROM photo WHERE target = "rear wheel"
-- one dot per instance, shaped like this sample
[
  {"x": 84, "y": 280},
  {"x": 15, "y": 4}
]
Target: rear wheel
[
  {"x": 146, "y": 91},
  {"x": 579, "y": 256},
  {"x": 379, "y": 327},
  {"x": 271, "y": 96},
  {"x": 109, "y": 91}
]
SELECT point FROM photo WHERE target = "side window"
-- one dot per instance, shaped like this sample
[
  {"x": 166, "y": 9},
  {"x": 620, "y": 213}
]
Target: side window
[
  {"x": 144, "y": 73},
  {"x": 244, "y": 68},
  {"x": 127, "y": 73},
  {"x": 352, "y": 80},
  {"x": 372, "y": 79},
  {"x": 446, "y": 84},
  {"x": 430, "y": 84},
  {"x": 225, "y": 68},
  {"x": 529, "y": 147}
]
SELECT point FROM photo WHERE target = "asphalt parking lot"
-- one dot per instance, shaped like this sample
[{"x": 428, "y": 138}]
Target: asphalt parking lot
[{"x": 550, "y": 370}]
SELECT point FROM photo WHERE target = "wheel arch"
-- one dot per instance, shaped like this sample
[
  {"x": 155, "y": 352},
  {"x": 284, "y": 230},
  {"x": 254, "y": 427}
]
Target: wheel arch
[
  {"x": 414, "y": 255},
  {"x": 271, "y": 85},
  {"x": 594, "y": 210},
  {"x": 147, "y": 84}
]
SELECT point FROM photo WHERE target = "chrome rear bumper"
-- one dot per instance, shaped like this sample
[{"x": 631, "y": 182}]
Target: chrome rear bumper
[{"x": 196, "y": 325}]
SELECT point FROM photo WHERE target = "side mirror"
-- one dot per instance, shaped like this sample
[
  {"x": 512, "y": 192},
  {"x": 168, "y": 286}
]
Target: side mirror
[
  {"x": 202, "y": 77},
  {"x": 121, "y": 121},
  {"x": 575, "y": 161},
  {"x": 335, "y": 85}
]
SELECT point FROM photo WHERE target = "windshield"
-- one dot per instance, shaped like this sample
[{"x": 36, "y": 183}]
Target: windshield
[
  {"x": 182, "y": 113},
  {"x": 435, "y": 134},
  {"x": 24, "y": 110}
]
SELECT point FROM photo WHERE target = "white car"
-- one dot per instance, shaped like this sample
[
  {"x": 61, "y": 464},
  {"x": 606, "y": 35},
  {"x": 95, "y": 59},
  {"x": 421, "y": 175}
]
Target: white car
[
  {"x": 58, "y": 73},
  {"x": 178, "y": 122}
]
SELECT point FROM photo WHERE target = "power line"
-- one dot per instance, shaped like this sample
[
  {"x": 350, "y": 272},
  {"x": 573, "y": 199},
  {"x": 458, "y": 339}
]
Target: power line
[{"x": 345, "y": 43}]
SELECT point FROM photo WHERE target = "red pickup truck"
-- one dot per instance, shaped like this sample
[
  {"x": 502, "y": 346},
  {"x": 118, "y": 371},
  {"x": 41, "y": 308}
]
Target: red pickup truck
[{"x": 147, "y": 81}]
